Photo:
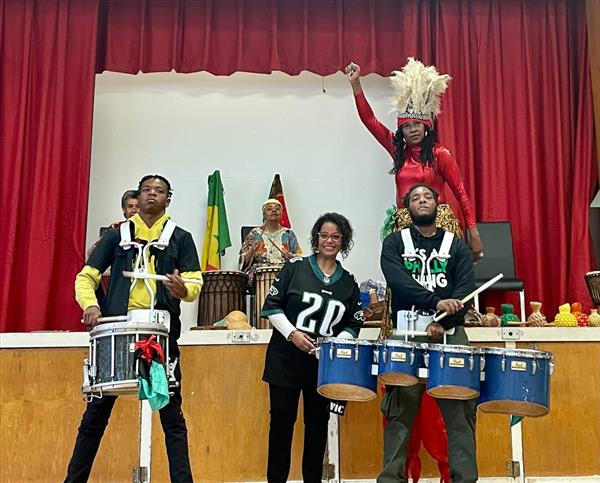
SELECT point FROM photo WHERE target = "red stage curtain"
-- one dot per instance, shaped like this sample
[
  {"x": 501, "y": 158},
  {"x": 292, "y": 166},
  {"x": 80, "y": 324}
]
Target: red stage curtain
[
  {"x": 518, "y": 114},
  {"x": 227, "y": 36},
  {"x": 46, "y": 95},
  {"x": 519, "y": 117}
]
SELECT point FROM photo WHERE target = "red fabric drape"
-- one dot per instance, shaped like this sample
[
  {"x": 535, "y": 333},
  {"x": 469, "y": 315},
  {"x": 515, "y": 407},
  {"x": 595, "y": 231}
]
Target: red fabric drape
[
  {"x": 223, "y": 37},
  {"x": 518, "y": 114},
  {"x": 519, "y": 117},
  {"x": 46, "y": 94}
]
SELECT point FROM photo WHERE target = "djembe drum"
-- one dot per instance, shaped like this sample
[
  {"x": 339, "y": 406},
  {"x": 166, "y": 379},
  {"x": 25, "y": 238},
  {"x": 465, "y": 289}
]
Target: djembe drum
[
  {"x": 263, "y": 279},
  {"x": 592, "y": 279},
  {"x": 222, "y": 292}
]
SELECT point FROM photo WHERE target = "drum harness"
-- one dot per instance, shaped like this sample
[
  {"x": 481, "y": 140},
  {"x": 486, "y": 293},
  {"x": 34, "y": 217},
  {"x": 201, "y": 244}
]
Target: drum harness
[
  {"x": 140, "y": 271},
  {"x": 424, "y": 279}
]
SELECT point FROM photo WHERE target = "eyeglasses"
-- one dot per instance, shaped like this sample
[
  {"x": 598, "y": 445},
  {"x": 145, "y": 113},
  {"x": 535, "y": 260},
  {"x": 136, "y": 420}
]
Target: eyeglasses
[{"x": 334, "y": 236}]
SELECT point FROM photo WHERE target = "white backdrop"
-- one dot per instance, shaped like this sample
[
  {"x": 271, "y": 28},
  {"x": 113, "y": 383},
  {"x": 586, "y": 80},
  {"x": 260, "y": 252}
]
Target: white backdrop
[{"x": 249, "y": 126}]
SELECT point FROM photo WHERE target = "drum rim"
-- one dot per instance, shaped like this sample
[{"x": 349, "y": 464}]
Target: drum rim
[
  {"x": 214, "y": 273},
  {"x": 341, "y": 340},
  {"x": 401, "y": 343},
  {"x": 528, "y": 353},
  {"x": 269, "y": 269},
  {"x": 127, "y": 327},
  {"x": 460, "y": 349}
]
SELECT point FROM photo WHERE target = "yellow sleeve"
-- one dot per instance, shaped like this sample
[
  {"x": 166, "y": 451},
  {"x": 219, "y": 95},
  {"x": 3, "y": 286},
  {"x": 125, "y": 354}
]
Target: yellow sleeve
[
  {"x": 86, "y": 283},
  {"x": 193, "y": 290}
]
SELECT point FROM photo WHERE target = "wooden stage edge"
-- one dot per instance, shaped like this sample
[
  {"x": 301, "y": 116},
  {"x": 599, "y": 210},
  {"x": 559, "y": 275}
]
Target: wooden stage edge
[{"x": 226, "y": 408}]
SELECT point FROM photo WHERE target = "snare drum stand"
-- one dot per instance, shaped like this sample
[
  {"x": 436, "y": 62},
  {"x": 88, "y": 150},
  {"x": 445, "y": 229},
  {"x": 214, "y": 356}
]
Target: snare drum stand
[{"x": 141, "y": 473}]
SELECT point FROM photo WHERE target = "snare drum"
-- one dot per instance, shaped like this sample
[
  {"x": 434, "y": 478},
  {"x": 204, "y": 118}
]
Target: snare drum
[
  {"x": 399, "y": 362},
  {"x": 263, "y": 279},
  {"x": 112, "y": 364},
  {"x": 454, "y": 371},
  {"x": 517, "y": 381},
  {"x": 222, "y": 293},
  {"x": 345, "y": 369}
]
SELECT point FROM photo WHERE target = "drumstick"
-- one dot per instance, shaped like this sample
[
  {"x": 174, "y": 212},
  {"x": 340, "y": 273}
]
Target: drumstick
[
  {"x": 111, "y": 318},
  {"x": 162, "y": 278},
  {"x": 276, "y": 246},
  {"x": 487, "y": 284}
]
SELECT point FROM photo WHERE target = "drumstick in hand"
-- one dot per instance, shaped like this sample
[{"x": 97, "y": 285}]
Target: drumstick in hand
[
  {"x": 162, "y": 278},
  {"x": 276, "y": 246},
  {"x": 487, "y": 284}
]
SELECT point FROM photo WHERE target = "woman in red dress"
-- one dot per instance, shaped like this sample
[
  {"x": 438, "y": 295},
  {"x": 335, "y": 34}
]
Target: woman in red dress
[{"x": 418, "y": 158}]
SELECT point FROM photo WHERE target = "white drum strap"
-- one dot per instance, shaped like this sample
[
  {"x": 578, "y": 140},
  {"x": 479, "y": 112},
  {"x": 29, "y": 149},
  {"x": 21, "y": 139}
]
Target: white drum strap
[
  {"x": 409, "y": 246},
  {"x": 446, "y": 245},
  {"x": 166, "y": 234},
  {"x": 125, "y": 235}
]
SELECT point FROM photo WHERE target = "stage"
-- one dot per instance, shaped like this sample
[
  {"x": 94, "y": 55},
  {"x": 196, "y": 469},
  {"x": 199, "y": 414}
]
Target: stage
[{"x": 226, "y": 408}]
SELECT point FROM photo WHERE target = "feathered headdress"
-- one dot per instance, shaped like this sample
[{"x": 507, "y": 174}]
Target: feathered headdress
[{"x": 417, "y": 92}]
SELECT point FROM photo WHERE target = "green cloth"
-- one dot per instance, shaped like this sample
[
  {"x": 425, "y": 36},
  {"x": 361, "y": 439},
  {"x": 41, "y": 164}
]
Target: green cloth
[
  {"x": 389, "y": 224},
  {"x": 157, "y": 391}
]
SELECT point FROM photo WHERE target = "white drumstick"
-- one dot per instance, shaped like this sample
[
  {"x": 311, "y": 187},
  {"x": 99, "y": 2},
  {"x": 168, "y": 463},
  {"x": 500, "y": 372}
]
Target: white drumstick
[
  {"x": 112, "y": 318},
  {"x": 487, "y": 284},
  {"x": 162, "y": 278}
]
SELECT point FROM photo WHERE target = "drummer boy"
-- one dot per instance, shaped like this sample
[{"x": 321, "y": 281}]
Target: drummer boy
[{"x": 178, "y": 259}]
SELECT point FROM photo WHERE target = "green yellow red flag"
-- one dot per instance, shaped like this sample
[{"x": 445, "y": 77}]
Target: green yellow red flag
[{"x": 216, "y": 238}]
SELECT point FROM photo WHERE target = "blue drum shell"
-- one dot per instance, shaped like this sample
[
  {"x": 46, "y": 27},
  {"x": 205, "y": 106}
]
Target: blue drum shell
[
  {"x": 454, "y": 378},
  {"x": 516, "y": 389},
  {"x": 341, "y": 376},
  {"x": 399, "y": 362}
]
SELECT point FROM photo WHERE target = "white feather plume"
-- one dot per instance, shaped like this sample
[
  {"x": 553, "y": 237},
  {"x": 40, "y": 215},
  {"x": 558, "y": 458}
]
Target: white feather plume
[{"x": 418, "y": 90}]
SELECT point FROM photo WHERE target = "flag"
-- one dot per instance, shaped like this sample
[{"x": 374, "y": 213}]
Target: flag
[
  {"x": 277, "y": 193},
  {"x": 216, "y": 238}
]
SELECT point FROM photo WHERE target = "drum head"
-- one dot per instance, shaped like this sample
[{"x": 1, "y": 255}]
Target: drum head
[
  {"x": 146, "y": 328},
  {"x": 453, "y": 392},
  {"x": 516, "y": 408},
  {"x": 398, "y": 379},
  {"x": 343, "y": 341},
  {"x": 518, "y": 353},
  {"x": 403, "y": 343},
  {"x": 459, "y": 349},
  {"x": 346, "y": 392}
]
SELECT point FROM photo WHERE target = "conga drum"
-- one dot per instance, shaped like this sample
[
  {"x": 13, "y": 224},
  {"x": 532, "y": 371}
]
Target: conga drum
[
  {"x": 263, "y": 279},
  {"x": 222, "y": 292}
]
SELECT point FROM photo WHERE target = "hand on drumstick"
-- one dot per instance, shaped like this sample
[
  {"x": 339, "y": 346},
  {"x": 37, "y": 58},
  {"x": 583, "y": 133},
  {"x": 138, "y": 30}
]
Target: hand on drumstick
[
  {"x": 90, "y": 316},
  {"x": 435, "y": 331},
  {"x": 175, "y": 285},
  {"x": 449, "y": 305},
  {"x": 303, "y": 342}
]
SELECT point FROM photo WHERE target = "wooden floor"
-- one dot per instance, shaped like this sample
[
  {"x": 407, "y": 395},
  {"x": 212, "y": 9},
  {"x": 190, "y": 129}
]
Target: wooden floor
[{"x": 226, "y": 407}]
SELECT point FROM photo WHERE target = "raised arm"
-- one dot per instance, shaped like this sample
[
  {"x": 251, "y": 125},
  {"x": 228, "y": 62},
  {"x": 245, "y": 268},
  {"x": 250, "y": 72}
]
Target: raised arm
[{"x": 383, "y": 135}]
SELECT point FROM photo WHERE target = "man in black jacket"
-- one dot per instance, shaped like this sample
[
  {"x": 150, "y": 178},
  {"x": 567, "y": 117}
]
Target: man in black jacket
[
  {"x": 428, "y": 269},
  {"x": 177, "y": 261}
]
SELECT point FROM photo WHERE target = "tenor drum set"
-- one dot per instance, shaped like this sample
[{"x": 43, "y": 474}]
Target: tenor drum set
[{"x": 509, "y": 381}]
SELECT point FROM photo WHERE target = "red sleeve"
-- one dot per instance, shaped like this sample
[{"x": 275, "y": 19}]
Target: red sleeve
[
  {"x": 451, "y": 174},
  {"x": 378, "y": 130}
]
